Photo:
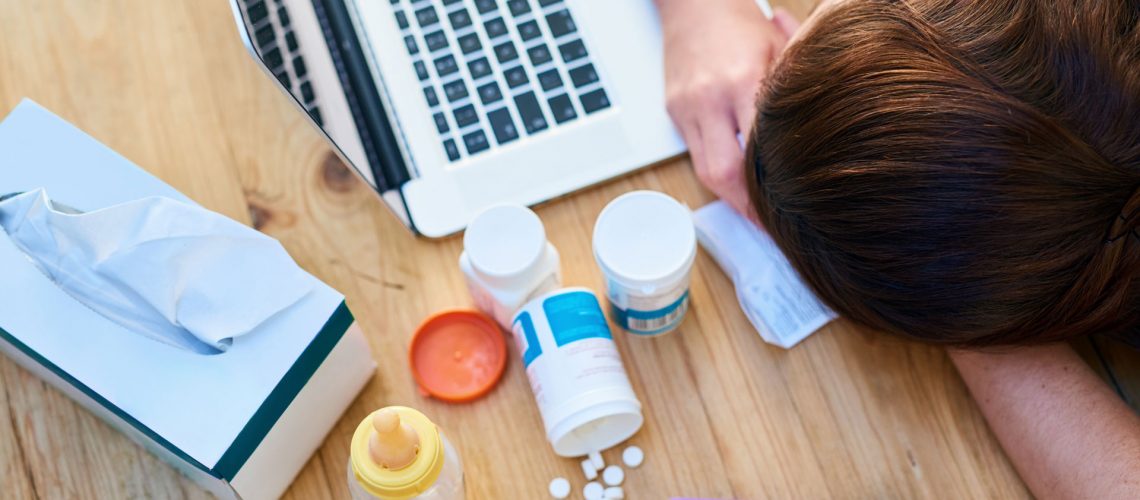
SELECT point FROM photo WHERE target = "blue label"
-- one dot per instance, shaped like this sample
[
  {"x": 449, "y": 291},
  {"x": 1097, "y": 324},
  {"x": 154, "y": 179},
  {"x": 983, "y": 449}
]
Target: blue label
[
  {"x": 652, "y": 322},
  {"x": 532, "y": 349},
  {"x": 575, "y": 316}
]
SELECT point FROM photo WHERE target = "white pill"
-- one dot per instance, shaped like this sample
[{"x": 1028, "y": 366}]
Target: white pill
[
  {"x": 614, "y": 493},
  {"x": 613, "y": 475},
  {"x": 632, "y": 456},
  {"x": 589, "y": 470},
  {"x": 596, "y": 459},
  {"x": 559, "y": 488},
  {"x": 594, "y": 491}
]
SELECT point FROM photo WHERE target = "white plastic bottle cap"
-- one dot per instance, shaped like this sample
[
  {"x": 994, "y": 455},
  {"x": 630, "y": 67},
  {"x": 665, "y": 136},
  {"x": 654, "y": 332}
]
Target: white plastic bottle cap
[
  {"x": 613, "y": 493},
  {"x": 594, "y": 491},
  {"x": 589, "y": 470},
  {"x": 645, "y": 239},
  {"x": 613, "y": 475},
  {"x": 504, "y": 242},
  {"x": 597, "y": 460},
  {"x": 559, "y": 488},
  {"x": 632, "y": 457}
]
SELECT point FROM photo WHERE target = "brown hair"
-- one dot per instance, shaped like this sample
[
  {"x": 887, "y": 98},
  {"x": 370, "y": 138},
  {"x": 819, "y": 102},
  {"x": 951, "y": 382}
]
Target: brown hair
[{"x": 960, "y": 172}]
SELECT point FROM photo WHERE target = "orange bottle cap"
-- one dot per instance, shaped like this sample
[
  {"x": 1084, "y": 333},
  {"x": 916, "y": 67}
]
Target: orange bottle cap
[{"x": 458, "y": 356}]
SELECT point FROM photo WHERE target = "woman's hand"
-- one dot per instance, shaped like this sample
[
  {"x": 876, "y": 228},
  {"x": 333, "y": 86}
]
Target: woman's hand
[{"x": 716, "y": 55}]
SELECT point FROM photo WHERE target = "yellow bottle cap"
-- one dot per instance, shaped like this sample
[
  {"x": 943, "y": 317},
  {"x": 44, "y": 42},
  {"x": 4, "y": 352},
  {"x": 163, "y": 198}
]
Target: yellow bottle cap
[{"x": 397, "y": 453}]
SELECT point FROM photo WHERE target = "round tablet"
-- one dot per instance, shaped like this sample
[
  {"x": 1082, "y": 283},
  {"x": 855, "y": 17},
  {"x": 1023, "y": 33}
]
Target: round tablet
[
  {"x": 560, "y": 488},
  {"x": 594, "y": 491},
  {"x": 613, "y": 475},
  {"x": 632, "y": 456}
]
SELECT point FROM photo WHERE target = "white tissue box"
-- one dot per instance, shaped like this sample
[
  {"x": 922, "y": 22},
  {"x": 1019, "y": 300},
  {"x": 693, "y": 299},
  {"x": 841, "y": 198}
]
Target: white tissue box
[{"x": 242, "y": 423}]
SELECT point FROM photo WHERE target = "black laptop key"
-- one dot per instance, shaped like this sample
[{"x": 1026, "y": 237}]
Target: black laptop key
[
  {"x": 395, "y": 2},
  {"x": 503, "y": 126},
  {"x": 257, "y": 12},
  {"x": 572, "y": 51},
  {"x": 485, "y": 6},
  {"x": 529, "y": 30},
  {"x": 476, "y": 141},
  {"x": 283, "y": 17},
  {"x": 561, "y": 23},
  {"x": 459, "y": 19},
  {"x": 518, "y": 7},
  {"x": 299, "y": 67},
  {"x": 440, "y": 122},
  {"x": 539, "y": 55},
  {"x": 455, "y": 90},
  {"x": 583, "y": 75},
  {"x": 435, "y": 40},
  {"x": 265, "y": 35},
  {"x": 594, "y": 100},
  {"x": 505, "y": 52},
  {"x": 562, "y": 108},
  {"x": 410, "y": 41},
  {"x": 451, "y": 149},
  {"x": 283, "y": 77},
  {"x": 402, "y": 19},
  {"x": 429, "y": 94},
  {"x": 531, "y": 112},
  {"x": 421, "y": 70},
  {"x": 316, "y": 114},
  {"x": 427, "y": 16},
  {"x": 291, "y": 41},
  {"x": 550, "y": 79},
  {"x": 446, "y": 65},
  {"x": 515, "y": 77},
  {"x": 547, "y": 3},
  {"x": 469, "y": 43},
  {"x": 495, "y": 28},
  {"x": 273, "y": 59},
  {"x": 418, "y": 1},
  {"x": 489, "y": 93},
  {"x": 307, "y": 92},
  {"x": 449, "y": 2},
  {"x": 466, "y": 116},
  {"x": 479, "y": 68}
]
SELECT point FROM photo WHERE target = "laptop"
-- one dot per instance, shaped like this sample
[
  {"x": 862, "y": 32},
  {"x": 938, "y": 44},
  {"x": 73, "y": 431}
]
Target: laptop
[{"x": 446, "y": 107}]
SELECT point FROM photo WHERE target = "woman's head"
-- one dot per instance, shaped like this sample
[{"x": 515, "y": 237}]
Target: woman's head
[{"x": 956, "y": 171}]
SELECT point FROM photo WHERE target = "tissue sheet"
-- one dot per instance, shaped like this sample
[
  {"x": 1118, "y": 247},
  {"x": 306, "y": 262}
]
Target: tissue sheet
[
  {"x": 775, "y": 299},
  {"x": 172, "y": 271}
]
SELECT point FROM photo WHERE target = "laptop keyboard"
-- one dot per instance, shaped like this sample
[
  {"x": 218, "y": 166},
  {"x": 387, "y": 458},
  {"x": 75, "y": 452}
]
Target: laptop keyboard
[
  {"x": 496, "y": 71},
  {"x": 275, "y": 41}
]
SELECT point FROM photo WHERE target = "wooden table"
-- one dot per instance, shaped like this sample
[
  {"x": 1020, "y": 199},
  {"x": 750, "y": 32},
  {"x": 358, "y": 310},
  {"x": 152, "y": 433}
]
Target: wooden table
[{"x": 167, "y": 84}]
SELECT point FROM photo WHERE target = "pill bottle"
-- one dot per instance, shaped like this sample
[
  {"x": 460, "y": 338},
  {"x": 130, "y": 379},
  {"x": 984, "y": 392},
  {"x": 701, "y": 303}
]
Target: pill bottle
[
  {"x": 575, "y": 371},
  {"x": 397, "y": 453},
  {"x": 645, "y": 244},
  {"x": 507, "y": 260}
]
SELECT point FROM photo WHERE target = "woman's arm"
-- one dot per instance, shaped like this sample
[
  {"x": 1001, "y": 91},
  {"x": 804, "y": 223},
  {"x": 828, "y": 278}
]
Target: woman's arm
[
  {"x": 1068, "y": 434},
  {"x": 716, "y": 54}
]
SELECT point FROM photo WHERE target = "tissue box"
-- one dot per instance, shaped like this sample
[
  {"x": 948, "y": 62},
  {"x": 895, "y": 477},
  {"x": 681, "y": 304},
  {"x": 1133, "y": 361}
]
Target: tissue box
[{"x": 241, "y": 424}]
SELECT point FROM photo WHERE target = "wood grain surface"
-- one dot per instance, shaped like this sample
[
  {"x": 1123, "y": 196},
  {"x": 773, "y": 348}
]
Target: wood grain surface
[{"x": 847, "y": 414}]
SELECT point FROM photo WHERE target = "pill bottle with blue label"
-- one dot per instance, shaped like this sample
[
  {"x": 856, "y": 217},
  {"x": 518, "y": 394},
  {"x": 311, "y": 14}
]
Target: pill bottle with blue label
[
  {"x": 645, "y": 244},
  {"x": 576, "y": 374}
]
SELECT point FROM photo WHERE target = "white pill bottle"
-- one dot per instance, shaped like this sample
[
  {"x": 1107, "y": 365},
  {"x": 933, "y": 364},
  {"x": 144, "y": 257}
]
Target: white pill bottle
[
  {"x": 507, "y": 260},
  {"x": 575, "y": 371},
  {"x": 397, "y": 453},
  {"x": 645, "y": 245}
]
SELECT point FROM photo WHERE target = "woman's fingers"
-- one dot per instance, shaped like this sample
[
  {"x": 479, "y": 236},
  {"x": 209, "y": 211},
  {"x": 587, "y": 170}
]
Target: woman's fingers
[{"x": 785, "y": 22}]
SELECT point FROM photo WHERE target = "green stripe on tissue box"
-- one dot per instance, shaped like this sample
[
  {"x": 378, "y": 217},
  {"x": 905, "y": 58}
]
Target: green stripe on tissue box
[{"x": 263, "y": 419}]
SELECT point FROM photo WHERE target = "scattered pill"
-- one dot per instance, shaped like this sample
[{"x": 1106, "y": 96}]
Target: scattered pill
[
  {"x": 613, "y": 493},
  {"x": 632, "y": 456},
  {"x": 560, "y": 488},
  {"x": 589, "y": 470},
  {"x": 594, "y": 491},
  {"x": 613, "y": 475},
  {"x": 597, "y": 460}
]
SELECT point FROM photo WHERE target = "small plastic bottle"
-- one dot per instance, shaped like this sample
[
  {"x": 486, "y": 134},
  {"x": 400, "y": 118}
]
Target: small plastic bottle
[
  {"x": 507, "y": 261},
  {"x": 397, "y": 453}
]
